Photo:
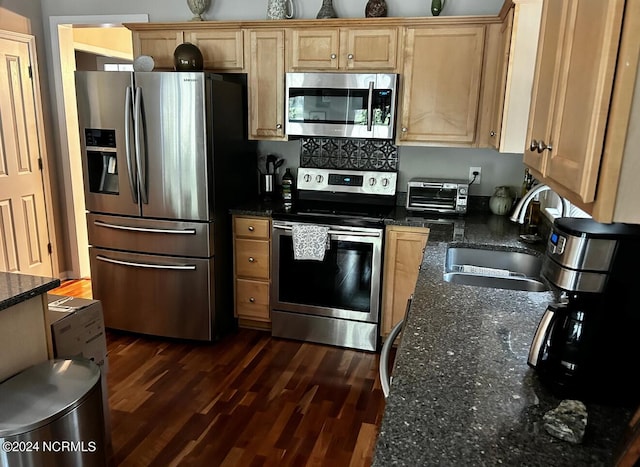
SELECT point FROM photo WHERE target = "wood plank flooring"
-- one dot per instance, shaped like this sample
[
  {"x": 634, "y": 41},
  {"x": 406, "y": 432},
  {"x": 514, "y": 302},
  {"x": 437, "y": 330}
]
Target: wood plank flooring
[{"x": 248, "y": 400}]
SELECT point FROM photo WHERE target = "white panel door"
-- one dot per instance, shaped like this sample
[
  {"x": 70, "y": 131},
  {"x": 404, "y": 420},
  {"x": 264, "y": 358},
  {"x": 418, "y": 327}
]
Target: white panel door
[{"x": 24, "y": 236}]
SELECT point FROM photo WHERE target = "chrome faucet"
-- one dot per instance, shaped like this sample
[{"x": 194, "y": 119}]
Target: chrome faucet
[{"x": 520, "y": 210}]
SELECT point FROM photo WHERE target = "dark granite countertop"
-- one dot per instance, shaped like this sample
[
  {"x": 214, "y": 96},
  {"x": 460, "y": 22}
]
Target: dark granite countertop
[
  {"x": 462, "y": 392},
  {"x": 16, "y": 288}
]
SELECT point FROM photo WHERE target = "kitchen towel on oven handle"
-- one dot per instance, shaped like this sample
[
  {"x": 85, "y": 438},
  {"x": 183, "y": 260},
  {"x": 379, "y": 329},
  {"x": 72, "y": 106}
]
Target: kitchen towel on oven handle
[{"x": 310, "y": 241}]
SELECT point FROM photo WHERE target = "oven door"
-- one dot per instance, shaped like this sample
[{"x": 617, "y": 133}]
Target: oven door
[
  {"x": 354, "y": 105},
  {"x": 346, "y": 284}
]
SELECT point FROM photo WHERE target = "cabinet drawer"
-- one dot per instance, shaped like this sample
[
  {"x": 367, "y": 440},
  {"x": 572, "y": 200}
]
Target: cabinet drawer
[
  {"x": 251, "y": 227},
  {"x": 252, "y": 299},
  {"x": 252, "y": 258}
]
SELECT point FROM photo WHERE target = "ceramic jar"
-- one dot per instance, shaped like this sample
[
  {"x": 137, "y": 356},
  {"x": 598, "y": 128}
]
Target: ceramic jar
[
  {"x": 501, "y": 201},
  {"x": 280, "y": 9},
  {"x": 437, "y": 6},
  {"x": 326, "y": 10},
  {"x": 375, "y": 9},
  {"x": 198, "y": 7}
]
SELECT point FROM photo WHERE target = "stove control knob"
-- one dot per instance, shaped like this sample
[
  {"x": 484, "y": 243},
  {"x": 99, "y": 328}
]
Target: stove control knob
[
  {"x": 372, "y": 181},
  {"x": 385, "y": 182},
  {"x": 319, "y": 178},
  {"x": 307, "y": 178}
]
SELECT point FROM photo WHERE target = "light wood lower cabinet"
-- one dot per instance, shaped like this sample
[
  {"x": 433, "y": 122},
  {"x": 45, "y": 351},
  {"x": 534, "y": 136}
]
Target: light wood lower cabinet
[
  {"x": 403, "y": 251},
  {"x": 252, "y": 277}
]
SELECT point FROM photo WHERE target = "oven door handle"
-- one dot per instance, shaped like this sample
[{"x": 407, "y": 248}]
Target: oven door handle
[{"x": 335, "y": 232}]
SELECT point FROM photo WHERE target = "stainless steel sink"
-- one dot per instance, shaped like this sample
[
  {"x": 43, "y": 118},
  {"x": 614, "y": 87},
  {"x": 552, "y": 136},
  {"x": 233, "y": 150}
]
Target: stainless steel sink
[{"x": 500, "y": 269}]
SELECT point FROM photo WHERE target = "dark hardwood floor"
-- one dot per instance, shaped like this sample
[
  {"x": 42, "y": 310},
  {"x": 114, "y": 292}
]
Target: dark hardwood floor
[{"x": 247, "y": 400}]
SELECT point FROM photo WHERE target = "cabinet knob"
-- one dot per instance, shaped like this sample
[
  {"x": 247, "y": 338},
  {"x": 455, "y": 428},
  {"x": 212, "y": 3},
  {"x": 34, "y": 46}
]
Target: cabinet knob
[
  {"x": 404, "y": 129},
  {"x": 492, "y": 134},
  {"x": 251, "y": 228},
  {"x": 543, "y": 146},
  {"x": 252, "y": 300},
  {"x": 350, "y": 56},
  {"x": 279, "y": 126},
  {"x": 252, "y": 259},
  {"x": 333, "y": 56},
  {"x": 533, "y": 146}
]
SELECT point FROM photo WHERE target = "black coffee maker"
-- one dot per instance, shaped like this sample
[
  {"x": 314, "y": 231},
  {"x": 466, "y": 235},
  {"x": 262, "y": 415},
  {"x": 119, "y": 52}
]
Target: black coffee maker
[{"x": 587, "y": 344}]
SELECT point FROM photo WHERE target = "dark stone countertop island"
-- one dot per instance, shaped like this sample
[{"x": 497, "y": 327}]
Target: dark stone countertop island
[
  {"x": 16, "y": 288},
  {"x": 462, "y": 392}
]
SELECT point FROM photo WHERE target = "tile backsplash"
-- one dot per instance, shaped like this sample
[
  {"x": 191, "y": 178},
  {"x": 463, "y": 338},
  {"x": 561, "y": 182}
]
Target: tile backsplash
[{"x": 348, "y": 153}]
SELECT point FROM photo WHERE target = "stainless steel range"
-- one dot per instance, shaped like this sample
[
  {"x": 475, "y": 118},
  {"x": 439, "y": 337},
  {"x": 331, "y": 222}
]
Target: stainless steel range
[{"x": 334, "y": 299}]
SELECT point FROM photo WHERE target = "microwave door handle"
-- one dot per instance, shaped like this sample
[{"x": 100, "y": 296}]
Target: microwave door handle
[
  {"x": 370, "y": 107},
  {"x": 137, "y": 137},
  {"x": 127, "y": 143}
]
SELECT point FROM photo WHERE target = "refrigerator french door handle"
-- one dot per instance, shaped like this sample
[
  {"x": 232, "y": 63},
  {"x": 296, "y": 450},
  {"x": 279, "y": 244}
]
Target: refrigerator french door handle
[
  {"x": 137, "y": 135},
  {"x": 127, "y": 143},
  {"x": 174, "y": 267},
  {"x": 144, "y": 229},
  {"x": 370, "y": 107}
]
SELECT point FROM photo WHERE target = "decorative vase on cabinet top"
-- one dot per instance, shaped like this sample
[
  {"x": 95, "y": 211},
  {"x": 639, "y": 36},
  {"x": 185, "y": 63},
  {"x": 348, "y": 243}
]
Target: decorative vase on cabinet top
[
  {"x": 326, "y": 10},
  {"x": 437, "y": 6},
  {"x": 375, "y": 9},
  {"x": 187, "y": 57},
  {"x": 198, "y": 7},
  {"x": 280, "y": 9},
  {"x": 501, "y": 201}
]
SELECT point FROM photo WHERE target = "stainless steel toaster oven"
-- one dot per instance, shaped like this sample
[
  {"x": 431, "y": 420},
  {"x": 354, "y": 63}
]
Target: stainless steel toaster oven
[{"x": 437, "y": 195}]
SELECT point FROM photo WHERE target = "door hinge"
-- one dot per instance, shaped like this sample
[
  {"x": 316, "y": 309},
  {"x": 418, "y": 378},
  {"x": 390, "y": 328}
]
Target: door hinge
[
  {"x": 40, "y": 163},
  {"x": 49, "y": 248},
  {"x": 30, "y": 72}
]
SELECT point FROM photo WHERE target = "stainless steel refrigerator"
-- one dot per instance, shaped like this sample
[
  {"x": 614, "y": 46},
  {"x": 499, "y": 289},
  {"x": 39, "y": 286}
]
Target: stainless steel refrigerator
[{"x": 164, "y": 157}]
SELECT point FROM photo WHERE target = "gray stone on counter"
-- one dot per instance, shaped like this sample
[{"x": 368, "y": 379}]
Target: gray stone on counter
[
  {"x": 462, "y": 392},
  {"x": 16, "y": 288},
  {"x": 567, "y": 422}
]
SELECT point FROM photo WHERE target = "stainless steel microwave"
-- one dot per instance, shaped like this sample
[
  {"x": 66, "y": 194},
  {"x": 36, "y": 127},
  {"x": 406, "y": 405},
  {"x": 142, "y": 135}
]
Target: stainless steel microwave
[
  {"x": 437, "y": 196},
  {"x": 354, "y": 105}
]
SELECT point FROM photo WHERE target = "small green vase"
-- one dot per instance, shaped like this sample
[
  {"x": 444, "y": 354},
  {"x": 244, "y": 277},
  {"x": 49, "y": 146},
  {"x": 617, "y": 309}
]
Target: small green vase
[{"x": 437, "y": 6}]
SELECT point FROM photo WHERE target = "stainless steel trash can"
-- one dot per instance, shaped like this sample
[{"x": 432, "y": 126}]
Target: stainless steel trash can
[{"x": 51, "y": 415}]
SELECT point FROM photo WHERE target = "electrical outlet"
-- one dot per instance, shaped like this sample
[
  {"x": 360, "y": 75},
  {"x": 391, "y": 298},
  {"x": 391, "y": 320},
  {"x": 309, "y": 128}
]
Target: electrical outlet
[{"x": 471, "y": 174}]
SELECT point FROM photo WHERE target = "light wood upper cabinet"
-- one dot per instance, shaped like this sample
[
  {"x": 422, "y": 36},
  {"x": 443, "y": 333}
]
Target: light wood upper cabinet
[
  {"x": 404, "y": 248},
  {"x": 334, "y": 49},
  {"x": 573, "y": 84},
  {"x": 442, "y": 72},
  {"x": 266, "y": 83},
  {"x": 222, "y": 49},
  {"x": 158, "y": 44}
]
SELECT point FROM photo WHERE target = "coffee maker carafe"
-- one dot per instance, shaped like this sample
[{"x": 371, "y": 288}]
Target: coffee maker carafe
[{"x": 586, "y": 344}]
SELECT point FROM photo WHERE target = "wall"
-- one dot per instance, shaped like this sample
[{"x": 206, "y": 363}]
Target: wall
[{"x": 177, "y": 10}]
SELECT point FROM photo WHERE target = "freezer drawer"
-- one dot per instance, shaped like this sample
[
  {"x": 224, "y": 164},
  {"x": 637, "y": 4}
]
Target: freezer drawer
[
  {"x": 151, "y": 235},
  {"x": 157, "y": 295}
]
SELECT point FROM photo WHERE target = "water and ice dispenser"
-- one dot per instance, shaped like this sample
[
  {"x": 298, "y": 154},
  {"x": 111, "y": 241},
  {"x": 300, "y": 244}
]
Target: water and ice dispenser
[{"x": 102, "y": 160}]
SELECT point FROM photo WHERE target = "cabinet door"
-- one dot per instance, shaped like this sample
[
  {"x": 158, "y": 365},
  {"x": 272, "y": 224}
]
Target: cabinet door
[
  {"x": 404, "y": 247},
  {"x": 500, "y": 81},
  {"x": 159, "y": 45},
  {"x": 551, "y": 40},
  {"x": 442, "y": 69},
  {"x": 221, "y": 49},
  {"x": 584, "y": 94},
  {"x": 313, "y": 49},
  {"x": 369, "y": 49},
  {"x": 266, "y": 84}
]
